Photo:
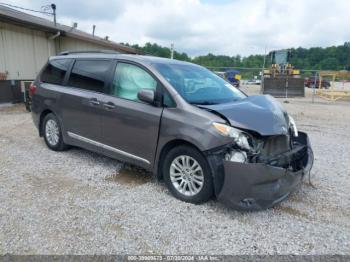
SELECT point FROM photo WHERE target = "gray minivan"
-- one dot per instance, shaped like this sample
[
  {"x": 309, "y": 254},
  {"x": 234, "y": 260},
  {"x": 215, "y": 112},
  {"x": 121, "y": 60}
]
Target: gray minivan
[{"x": 191, "y": 128}]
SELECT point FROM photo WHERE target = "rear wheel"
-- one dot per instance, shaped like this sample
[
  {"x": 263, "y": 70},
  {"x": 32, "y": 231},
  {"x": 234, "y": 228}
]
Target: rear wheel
[
  {"x": 187, "y": 175},
  {"x": 53, "y": 133}
]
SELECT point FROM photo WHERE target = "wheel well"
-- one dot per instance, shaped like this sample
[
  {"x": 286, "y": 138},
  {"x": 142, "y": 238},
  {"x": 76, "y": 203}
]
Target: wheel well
[
  {"x": 42, "y": 117},
  {"x": 168, "y": 146}
]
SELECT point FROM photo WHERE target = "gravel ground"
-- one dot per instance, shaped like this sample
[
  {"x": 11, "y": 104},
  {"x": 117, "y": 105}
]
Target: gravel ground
[{"x": 78, "y": 202}]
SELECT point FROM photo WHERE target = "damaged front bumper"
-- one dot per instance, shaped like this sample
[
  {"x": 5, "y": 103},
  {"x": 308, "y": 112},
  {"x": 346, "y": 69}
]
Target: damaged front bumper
[{"x": 256, "y": 186}]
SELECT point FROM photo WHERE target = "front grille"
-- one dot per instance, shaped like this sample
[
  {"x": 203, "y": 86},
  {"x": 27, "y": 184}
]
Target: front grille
[
  {"x": 279, "y": 151},
  {"x": 275, "y": 145}
]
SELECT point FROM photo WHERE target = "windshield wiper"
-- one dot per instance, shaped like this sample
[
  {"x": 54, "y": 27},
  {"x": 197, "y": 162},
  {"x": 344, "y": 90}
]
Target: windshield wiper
[{"x": 204, "y": 103}]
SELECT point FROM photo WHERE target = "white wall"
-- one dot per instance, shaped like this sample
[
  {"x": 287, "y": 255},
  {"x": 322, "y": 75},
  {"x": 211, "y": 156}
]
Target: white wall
[
  {"x": 67, "y": 43},
  {"x": 23, "y": 51}
]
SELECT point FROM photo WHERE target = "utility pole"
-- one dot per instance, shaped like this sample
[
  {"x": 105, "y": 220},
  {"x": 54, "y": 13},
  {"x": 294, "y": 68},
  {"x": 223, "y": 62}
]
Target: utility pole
[
  {"x": 53, "y": 6},
  {"x": 172, "y": 51},
  {"x": 262, "y": 73},
  {"x": 93, "y": 30},
  {"x": 313, "y": 87}
]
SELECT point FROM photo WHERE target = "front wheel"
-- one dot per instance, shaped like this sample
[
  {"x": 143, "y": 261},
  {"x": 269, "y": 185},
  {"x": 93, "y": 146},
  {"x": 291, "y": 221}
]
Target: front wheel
[{"x": 187, "y": 175}]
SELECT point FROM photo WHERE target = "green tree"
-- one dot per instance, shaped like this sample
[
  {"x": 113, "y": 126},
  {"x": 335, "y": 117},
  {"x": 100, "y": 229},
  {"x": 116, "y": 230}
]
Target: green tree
[{"x": 329, "y": 58}]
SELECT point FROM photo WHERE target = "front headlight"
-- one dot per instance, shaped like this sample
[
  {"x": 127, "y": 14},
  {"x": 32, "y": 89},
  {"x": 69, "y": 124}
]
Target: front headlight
[
  {"x": 293, "y": 126},
  {"x": 238, "y": 136}
]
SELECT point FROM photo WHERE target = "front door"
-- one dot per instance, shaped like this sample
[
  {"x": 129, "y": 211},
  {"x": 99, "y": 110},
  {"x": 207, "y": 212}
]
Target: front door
[{"x": 130, "y": 127}]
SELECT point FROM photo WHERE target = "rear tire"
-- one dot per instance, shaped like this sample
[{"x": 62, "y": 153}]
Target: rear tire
[
  {"x": 52, "y": 132},
  {"x": 187, "y": 175}
]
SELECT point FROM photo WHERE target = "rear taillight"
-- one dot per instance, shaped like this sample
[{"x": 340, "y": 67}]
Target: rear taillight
[{"x": 32, "y": 88}]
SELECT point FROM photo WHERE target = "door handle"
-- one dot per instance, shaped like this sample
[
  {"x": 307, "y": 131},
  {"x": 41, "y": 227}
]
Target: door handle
[
  {"x": 94, "y": 101},
  {"x": 109, "y": 105}
]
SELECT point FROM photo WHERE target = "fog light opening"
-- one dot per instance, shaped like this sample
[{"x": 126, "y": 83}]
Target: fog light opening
[{"x": 236, "y": 156}]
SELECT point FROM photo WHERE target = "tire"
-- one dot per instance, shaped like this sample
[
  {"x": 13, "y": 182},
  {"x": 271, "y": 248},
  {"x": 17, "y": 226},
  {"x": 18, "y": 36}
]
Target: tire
[
  {"x": 52, "y": 132},
  {"x": 192, "y": 190}
]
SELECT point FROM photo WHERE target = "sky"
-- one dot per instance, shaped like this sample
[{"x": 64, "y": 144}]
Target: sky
[{"x": 199, "y": 27}]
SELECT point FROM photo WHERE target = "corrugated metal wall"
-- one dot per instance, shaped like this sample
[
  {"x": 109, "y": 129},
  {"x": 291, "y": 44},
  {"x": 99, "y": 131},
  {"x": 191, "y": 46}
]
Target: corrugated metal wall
[
  {"x": 67, "y": 43},
  {"x": 23, "y": 51}
]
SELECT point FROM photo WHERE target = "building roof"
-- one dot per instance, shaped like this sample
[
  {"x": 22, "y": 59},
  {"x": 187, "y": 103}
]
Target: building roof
[{"x": 13, "y": 16}]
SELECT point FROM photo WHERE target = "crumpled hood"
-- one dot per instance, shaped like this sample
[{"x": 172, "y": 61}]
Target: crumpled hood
[{"x": 260, "y": 113}]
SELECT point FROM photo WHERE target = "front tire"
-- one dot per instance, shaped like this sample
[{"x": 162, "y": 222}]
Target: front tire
[
  {"x": 53, "y": 133},
  {"x": 187, "y": 175}
]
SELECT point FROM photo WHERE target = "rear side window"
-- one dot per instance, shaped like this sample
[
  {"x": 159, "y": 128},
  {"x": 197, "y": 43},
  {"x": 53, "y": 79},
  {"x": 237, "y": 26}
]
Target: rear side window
[
  {"x": 89, "y": 74},
  {"x": 55, "y": 71}
]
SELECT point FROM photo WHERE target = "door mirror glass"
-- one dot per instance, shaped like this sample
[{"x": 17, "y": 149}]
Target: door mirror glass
[{"x": 146, "y": 95}]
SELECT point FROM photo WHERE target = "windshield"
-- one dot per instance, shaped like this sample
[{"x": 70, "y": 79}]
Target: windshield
[{"x": 198, "y": 85}]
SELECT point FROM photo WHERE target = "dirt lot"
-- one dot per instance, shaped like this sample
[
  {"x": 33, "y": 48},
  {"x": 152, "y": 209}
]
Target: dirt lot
[{"x": 83, "y": 203}]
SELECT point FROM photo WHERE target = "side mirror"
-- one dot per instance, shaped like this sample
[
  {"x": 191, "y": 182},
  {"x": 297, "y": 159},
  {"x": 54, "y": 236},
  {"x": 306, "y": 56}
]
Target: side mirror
[{"x": 146, "y": 95}]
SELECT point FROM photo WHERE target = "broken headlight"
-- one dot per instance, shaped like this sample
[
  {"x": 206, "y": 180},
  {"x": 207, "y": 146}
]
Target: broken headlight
[
  {"x": 239, "y": 137},
  {"x": 293, "y": 126}
]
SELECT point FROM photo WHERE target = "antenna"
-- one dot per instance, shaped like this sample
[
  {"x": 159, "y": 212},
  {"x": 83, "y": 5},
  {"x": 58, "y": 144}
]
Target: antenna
[
  {"x": 93, "y": 30},
  {"x": 53, "y": 6}
]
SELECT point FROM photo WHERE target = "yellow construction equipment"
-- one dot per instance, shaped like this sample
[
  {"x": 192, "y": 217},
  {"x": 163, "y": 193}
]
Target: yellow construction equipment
[
  {"x": 282, "y": 79},
  {"x": 332, "y": 94}
]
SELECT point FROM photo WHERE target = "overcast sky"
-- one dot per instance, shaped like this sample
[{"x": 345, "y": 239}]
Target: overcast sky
[{"x": 199, "y": 27}]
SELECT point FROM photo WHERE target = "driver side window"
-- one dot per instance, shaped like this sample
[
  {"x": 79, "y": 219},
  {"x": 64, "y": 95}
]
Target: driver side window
[{"x": 129, "y": 79}]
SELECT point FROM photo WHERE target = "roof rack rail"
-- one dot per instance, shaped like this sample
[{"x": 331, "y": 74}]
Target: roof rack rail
[{"x": 89, "y": 52}]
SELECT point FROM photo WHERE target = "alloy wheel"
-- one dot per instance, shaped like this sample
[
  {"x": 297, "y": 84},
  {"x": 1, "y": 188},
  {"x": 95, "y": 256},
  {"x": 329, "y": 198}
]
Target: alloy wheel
[
  {"x": 186, "y": 175},
  {"x": 52, "y": 132}
]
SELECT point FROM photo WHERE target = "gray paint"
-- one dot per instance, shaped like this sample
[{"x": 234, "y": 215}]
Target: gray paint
[
  {"x": 142, "y": 129},
  {"x": 137, "y": 128},
  {"x": 262, "y": 114},
  {"x": 137, "y": 132},
  {"x": 257, "y": 186},
  {"x": 106, "y": 147},
  {"x": 131, "y": 126}
]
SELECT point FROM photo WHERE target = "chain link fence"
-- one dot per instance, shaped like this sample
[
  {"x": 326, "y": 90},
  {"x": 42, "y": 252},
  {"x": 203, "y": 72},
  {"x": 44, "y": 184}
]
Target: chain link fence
[{"x": 251, "y": 78}]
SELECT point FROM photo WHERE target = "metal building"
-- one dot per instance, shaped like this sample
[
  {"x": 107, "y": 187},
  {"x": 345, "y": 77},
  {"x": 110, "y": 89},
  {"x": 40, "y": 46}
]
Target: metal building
[{"x": 26, "y": 42}]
